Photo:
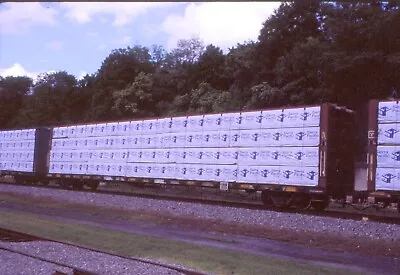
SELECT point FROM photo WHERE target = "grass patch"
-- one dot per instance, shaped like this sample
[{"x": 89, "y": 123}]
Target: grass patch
[
  {"x": 359, "y": 245},
  {"x": 204, "y": 258}
]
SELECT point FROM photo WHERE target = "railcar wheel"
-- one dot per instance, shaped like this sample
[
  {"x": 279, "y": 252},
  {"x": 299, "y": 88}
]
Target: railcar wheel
[{"x": 320, "y": 205}]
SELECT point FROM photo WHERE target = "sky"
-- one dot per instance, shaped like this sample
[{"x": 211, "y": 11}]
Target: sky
[{"x": 77, "y": 36}]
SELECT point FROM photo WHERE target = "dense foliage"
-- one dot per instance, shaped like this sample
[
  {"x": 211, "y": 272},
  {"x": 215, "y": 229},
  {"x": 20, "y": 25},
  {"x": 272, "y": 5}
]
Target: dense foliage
[{"x": 306, "y": 53}]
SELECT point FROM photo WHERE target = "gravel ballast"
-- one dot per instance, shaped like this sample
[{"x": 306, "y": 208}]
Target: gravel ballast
[
  {"x": 96, "y": 262},
  {"x": 272, "y": 219}
]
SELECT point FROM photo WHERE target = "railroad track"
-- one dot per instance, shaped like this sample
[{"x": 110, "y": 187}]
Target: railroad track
[
  {"x": 7, "y": 235},
  {"x": 253, "y": 204}
]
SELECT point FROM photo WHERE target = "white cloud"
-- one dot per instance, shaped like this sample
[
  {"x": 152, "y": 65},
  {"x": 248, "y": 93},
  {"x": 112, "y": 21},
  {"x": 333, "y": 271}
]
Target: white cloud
[
  {"x": 81, "y": 75},
  {"x": 55, "y": 45},
  {"x": 16, "y": 18},
  {"x": 124, "y": 12},
  {"x": 220, "y": 23},
  {"x": 17, "y": 70}
]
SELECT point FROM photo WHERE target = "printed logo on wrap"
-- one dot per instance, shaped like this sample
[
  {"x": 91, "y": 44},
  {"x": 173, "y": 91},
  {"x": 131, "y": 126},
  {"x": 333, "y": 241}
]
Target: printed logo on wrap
[
  {"x": 387, "y": 178},
  {"x": 311, "y": 175},
  {"x": 287, "y": 173},
  {"x": 384, "y": 110},
  {"x": 396, "y": 156},
  {"x": 391, "y": 133}
]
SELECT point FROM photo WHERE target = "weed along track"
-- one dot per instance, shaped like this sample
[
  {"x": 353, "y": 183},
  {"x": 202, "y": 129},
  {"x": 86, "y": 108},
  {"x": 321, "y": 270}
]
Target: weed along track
[{"x": 65, "y": 257}]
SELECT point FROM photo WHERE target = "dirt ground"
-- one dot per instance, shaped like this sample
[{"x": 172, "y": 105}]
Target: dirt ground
[{"x": 328, "y": 251}]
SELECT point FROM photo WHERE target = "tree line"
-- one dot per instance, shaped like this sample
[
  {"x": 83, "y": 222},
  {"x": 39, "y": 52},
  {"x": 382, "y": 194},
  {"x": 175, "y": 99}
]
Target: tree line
[{"x": 307, "y": 52}]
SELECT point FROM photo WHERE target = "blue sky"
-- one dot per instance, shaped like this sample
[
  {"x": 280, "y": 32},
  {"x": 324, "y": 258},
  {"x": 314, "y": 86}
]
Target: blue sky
[{"x": 76, "y": 37}]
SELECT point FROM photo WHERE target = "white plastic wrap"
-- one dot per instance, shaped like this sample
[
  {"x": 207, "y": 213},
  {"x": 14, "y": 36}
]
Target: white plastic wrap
[
  {"x": 164, "y": 125},
  {"x": 90, "y": 130},
  {"x": 387, "y": 179},
  {"x": 150, "y": 141},
  {"x": 311, "y": 116},
  {"x": 101, "y": 129},
  {"x": 227, "y": 173},
  {"x": 272, "y": 119},
  {"x": 178, "y": 140},
  {"x": 136, "y": 127},
  {"x": 388, "y": 111},
  {"x": 224, "y": 139},
  {"x": 123, "y": 128},
  {"x": 388, "y": 133},
  {"x": 297, "y": 156},
  {"x": 149, "y": 126},
  {"x": 388, "y": 156},
  {"x": 230, "y": 121},
  {"x": 234, "y": 138},
  {"x": 289, "y": 175},
  {"x": 179, "y": 124},
  {"x": 212, "y": 122},
  {"x": 289, "y": 136},
  {"x": 251, "y": 120},
  {"x": 247, "y": 174},
  {"x": 194, "y": 139},
  {"x": 249, "y": 138},
  {"x": 211, "y": 139},
  {"x": 112, "y": 128},
  {"x": 195, "y": 123}
]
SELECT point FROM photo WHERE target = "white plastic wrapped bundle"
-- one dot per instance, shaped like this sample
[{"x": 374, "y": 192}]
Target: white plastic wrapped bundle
[
  {"x": 179, "y": 124},
  {"x": 224, "y": 138},
  {"x": 248, "y": 174},
  {"x": 212, "y": 139},
  {"x": 90, "y": 130},
  {"x": 123, "y": 128},
  {"x": 136, "y": 156},
  {"x": 195, "y": 123},
  {"x": 149, "y": 126},
  {"x": 388, "y": 111},
  {"x": 297, "y": 156},
  {"x": 311, "y": 116},
  {"x": 289, "y": 175},
  {"x": 251, "y": 120},
  {"x": 270, "y": 175},
  {"x": 387, "y": 179},
  {"x": 212, "y": 122},
  {"x": 388, "y": 156},
  {"x": 234, "y": 138},
  {"x": 101, "y": 129},
  {"x": 112, "y": 128},
  {"x": 72, "y": 131},
  {"x": 194, "y": 139},
  {"x": 178, "y": 140},
  {"x": 149, "y": 141},
  {"x": 230, "y": 121},
  {"x": 168, "y": 171},
  {"x": 164, "y": 125},
  {"x": 389, "y": 133},
  {"x": 272, "y": 119},
  {"x": 165, "y": 156},
  {"x": 136, "y": 127}
]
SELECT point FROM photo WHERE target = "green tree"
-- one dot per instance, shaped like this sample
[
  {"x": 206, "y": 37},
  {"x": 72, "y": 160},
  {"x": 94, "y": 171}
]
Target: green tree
[{"x": 12, "y": 92}]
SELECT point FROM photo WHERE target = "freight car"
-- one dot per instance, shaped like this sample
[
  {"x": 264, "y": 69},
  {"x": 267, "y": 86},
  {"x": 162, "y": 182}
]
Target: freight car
[{"x": 295, "y": 156}]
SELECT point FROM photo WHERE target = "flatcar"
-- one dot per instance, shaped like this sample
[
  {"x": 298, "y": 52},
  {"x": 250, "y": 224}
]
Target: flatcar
[{"x": 297, "y": 156}]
